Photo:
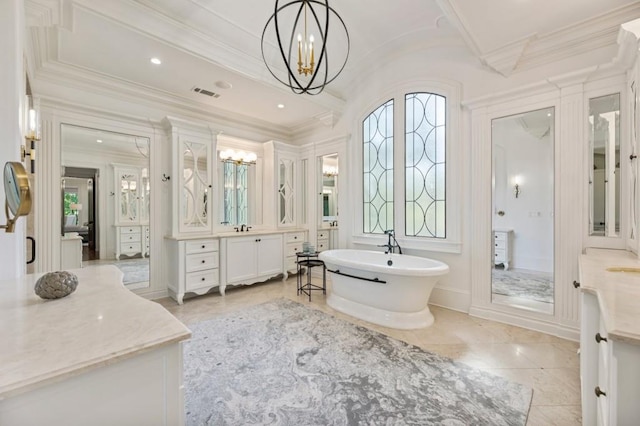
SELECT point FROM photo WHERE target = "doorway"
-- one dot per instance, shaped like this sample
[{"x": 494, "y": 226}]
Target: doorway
[{"x": 80, "y": 209}]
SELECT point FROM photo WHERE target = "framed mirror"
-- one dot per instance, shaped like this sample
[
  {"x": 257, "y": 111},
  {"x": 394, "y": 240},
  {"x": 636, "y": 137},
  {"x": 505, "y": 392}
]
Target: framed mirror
[
  {"x": 523, "y": 210},
  {"x": 328, "y": 194},
  {"x": 106, "y": 192},
  {"x": 17, "y": 192},
  {"x": 604, "y": 166}
]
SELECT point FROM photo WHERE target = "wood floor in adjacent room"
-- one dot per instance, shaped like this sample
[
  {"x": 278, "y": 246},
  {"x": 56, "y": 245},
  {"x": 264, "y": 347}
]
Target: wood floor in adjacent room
[{"x": 548, "y": 364}]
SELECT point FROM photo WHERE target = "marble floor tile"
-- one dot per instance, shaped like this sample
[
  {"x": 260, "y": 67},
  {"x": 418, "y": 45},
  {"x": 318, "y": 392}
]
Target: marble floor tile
[{"x": 550, "y": 365}]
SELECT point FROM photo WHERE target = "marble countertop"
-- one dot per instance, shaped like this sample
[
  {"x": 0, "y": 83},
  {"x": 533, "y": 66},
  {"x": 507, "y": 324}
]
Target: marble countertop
[
  {"x": 45, "y": 341},
  {"x": 231, "y": 234},
  {"x": 618, "y": 293}
]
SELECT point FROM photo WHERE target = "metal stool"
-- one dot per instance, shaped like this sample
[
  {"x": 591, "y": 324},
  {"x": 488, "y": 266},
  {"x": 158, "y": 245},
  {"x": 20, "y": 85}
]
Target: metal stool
[{"x": 308, "y": 261}]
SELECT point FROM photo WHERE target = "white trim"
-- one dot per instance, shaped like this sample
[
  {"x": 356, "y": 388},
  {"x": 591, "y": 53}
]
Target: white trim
[
  {"x": 455, "y": 299},
  {"x": 555, "y": 329}
]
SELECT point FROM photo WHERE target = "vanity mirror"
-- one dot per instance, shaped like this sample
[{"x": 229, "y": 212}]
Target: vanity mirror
[
  {"x": 523, "y": 210},
  {"x": 604, "y": 166},
  {"x": 328, "y": 203},
  {"x": 17, "y": 193},
  {"x": 106, "y": 193}
]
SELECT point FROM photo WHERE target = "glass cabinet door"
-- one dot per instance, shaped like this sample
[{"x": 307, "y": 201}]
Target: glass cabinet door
[
  {"x": 129, "y": 203},
  {"x": 195, "y": 186},
  {"x": 286, "y": 186}
]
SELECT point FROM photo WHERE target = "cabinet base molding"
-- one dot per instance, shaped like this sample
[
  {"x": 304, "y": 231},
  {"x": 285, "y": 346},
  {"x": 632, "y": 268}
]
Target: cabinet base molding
[{"x": 256, "y": 280}]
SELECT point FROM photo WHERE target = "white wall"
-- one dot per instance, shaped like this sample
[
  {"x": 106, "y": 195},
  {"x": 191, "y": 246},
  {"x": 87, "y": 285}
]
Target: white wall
[{"x": 12, "y": 89}]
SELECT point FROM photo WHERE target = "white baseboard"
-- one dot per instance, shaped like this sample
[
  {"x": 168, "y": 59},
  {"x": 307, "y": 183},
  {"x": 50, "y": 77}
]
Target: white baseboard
[
  {"x": 457, "y": 300},
  {"x": 559, "y": 330}
]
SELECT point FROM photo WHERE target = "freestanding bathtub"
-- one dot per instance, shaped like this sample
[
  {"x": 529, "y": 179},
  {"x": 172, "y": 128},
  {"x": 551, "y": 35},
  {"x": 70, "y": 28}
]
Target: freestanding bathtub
[{"x": 366, "y": 286}]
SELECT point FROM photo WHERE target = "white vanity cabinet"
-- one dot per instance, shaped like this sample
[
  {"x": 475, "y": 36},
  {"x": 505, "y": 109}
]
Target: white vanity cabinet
[
  {"x": 609, "y": 342},
  {"x": 197, "y": 268},
  {"x": 322, "y": 240},
  {"x": 251, "y": 259},
  {"x": 502, "y": 247},
  {"x": 293, "y": 245}
]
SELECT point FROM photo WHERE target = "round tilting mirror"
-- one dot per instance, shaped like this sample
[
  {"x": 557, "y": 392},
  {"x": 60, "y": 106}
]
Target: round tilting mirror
[{"x": 17, "y": 192}]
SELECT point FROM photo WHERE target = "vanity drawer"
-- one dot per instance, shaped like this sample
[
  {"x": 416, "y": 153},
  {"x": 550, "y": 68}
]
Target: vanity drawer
[
  {"x": 293, "y": 248},
  {"x": 130, "y": 238},
  {"x": 129, "y": 230},
  {"x": 293, "y": 237},
  {"x": 323, "y": 235},
  {"x": 499, "y": 255},
  {"x": 200, "y": 262},
  {"x": 500, "y": 244},
  {"x": 130, "y": 248},
  {"x": 500, "y": 236},
  {"x": 201, "y": 246},
  {"x": 322, "y": 245},
  {"x": 291, "y": 263},
  {"x": 207, "y": 278}
]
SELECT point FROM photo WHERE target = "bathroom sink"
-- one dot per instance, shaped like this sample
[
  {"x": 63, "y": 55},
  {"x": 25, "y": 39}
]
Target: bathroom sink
[{"x": 622, "y": 269}]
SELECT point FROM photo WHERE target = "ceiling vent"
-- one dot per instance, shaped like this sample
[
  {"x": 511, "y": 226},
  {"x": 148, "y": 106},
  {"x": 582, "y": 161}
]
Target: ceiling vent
[{"x": 206, "y": 92}]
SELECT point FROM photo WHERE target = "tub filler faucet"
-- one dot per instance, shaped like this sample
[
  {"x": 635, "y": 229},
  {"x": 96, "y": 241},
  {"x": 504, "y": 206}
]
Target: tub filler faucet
[{"x": 391, "y": 245}]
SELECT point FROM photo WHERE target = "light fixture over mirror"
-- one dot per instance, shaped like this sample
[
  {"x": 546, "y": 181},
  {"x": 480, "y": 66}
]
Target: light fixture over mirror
[
  {"x": 301, "y": 30},
  {"x": 238, "y": 157}
]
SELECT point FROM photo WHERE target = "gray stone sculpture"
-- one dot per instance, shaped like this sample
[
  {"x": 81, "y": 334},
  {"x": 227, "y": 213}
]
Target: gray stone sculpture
[{"x": 55, "y": 285}]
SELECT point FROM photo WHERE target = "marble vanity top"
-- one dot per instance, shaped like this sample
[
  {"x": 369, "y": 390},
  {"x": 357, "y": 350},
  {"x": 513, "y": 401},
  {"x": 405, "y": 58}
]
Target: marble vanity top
[
  {"x": 44, "y": 341},
  {"x": 618, "y": 292},
  {"x": 232, "y": 234}
]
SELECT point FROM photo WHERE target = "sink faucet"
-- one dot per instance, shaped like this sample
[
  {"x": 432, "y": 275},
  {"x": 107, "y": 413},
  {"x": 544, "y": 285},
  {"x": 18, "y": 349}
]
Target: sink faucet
[
  {"x": 242, "y": 227},
  {"x": 391, "y": 246}
]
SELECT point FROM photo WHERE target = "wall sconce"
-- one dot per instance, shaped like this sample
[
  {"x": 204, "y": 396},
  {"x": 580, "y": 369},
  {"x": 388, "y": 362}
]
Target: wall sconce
[
  {"x": 516, "y": 188},
  {"x": 31, "y": 137},
  {"x": 238, "y": 157}
]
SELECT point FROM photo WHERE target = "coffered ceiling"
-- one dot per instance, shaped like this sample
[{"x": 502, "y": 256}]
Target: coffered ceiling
[{"x": 203, "y": 43}]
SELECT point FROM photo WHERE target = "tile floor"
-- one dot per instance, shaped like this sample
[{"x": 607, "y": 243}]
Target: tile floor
[{"x": 548, "y": 364}]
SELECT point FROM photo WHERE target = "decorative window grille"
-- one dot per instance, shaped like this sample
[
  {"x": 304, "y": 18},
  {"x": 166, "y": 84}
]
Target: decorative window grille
[
  {"x": 377, "y": 131},
  {"x": 425, "y": 200}
]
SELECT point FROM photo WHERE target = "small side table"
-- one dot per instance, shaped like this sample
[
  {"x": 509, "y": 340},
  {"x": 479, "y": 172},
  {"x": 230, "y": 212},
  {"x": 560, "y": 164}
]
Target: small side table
[{"x": 308, "y": 261}]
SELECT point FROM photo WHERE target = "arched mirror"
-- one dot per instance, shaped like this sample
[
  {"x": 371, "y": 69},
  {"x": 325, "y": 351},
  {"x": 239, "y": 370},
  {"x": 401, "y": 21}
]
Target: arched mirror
[
  {"x": 106, "y": 193},
  {"x": 17, "y": 193},
  {"x": 523, "y": 210}
]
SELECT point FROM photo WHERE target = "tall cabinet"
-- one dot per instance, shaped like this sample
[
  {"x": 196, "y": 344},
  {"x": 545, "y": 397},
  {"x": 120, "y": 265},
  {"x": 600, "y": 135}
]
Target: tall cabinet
[
  {"x": 191, "y": 244},
  {"x": 132, "y": 192},
  {"x": 281, "y": 177}
]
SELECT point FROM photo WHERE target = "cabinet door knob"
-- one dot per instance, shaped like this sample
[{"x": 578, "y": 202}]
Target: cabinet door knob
[
  {"x": 576, "y": 284},
  {"x": 599, "y": 338},
  {"x": 203, "y": 246},
  {"x": 599, "y": 392},
  {"x": 202, "y": 278},
  {"x": 203, "y": 261}
]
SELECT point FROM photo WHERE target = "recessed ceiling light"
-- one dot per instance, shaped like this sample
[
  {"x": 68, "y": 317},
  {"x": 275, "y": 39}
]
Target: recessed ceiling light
[
  {"x": 223, "y": 84},
  {"x": 156, "y": 61},
  {"x": 99, "y": 140},
  {"x": 280, "y": 106}
]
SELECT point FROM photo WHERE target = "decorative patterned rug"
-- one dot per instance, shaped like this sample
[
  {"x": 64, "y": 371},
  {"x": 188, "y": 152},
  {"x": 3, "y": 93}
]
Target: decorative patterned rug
[
  {"x": 134, "y": 270},
  {"x": 529, "y": 285},
  {"x": 282, "y": 363}
]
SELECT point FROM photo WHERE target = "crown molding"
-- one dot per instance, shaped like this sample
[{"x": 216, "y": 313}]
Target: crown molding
[
  {"x": 145, "y": 18},
  {"x": 628, "y": 44},
  {"x": 577, "y": 39},
  {"x": 47, "y": 13},
  {"x": 505, "y": 60},
  {"x": 65, "y": 75}
]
